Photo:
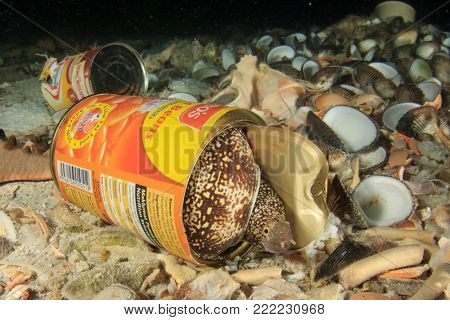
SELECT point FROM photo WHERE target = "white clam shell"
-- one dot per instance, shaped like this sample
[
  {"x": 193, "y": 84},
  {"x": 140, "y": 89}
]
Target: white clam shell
[
  {"x": 298, "y": 62},
  {"x": 309, "y": 68},
  {"x": 367, "y": 44},
  {"x": 280, "y": 53},
  {"x": 292, "y": 39},
  {"x": 420, "y": 70},
  {"x": 355, "y": 129},
  {"x": 392, "y": 115},
  {"x": 202, "y": 71},
  {"x": 372, "y": 158},
  {"x": 183, "y": 96},
  {"x": 227, "y": 58},
  {"x": 385, "y": 201},
  {"x": 264, "y": 42},
  {"x": 426, "y": 50}
]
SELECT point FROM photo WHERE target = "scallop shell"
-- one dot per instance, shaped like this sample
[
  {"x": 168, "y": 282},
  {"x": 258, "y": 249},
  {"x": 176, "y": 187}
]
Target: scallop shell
[
  {"x": 387, "y": 71},
  {"x": 280, "y": 53},
  {"x": 347, "y": 91},
  {"x": 346, "y": 253},
  {"x": 320, "y": 131},
  {"x": 418, "y": 121},
  {"x": 355, "y": 129},
  {"x": 373, "y": 159},
  {"x": 409, "y": 93},
  {"x": 392, "y": 115},
  {"x": 385, "y": 201},
  {"x": 342, "y": 205}
]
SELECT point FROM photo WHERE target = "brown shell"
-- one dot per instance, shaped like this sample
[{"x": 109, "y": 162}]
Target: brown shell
[
  {"x": 409, "y": 93},
  {"x": 220, "y": 194},
  {"x": 342, "y": 204},
  {"x": 418, "y": 121},
  {"x": 319, "y": 131}
]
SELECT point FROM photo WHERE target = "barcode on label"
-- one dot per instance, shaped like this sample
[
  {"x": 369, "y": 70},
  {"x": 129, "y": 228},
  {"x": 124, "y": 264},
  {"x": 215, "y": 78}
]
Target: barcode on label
[{"x": 75, "y": 176}]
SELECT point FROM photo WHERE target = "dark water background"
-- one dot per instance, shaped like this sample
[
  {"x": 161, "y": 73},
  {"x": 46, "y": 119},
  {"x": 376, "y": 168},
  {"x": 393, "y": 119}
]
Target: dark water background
[{"x": 136, "y": 19}]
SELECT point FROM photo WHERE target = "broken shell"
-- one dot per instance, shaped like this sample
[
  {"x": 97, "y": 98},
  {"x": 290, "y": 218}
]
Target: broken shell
[
  {"x": 354, "y": 128},
  {"x": 369, "y": 103},
  {"x": 293, "y": 40},
  {"x": 202, "y": 71},
  {"x": 392, "y": 115},
  {"x": 264, "y": 42},
  {"x": 388, "y": 10},
  {"x": 406, "y": 38},
  {"x": 426, "y": 50},
  {"x": 280, "y": 53},
  {"x": 330, "y": 99},
  {"x": 228, "y": 59},
  {"x": 183, "y": 96},
  {"x": 420, "y": 70},
  {"x": 309, "y": 69},
  {"x": 372, "y": 159},
  {"x": 384, "y": 200},
  {"x": 298, "y": 62}
]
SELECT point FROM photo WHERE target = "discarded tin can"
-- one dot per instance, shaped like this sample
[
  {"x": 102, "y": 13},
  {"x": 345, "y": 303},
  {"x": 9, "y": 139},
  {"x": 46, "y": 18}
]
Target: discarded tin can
[
  {"x": 114, "y": 68},
  {"x": 128, "y": 159}
]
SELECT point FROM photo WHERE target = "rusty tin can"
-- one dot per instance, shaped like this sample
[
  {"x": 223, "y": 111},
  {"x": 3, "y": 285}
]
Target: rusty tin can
[
  {"x": 128, "y": 159},
  {"x": 114, "y": 68}
]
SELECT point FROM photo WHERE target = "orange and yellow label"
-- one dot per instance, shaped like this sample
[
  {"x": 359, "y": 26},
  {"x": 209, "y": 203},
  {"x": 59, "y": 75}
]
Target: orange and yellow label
[{"x": 128, "y": 160}]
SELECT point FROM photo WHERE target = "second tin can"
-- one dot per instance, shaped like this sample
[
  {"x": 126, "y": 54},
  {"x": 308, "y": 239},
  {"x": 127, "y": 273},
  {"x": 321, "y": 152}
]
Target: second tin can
[{"x": 114, "y": 68}]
